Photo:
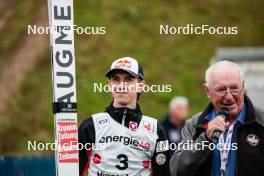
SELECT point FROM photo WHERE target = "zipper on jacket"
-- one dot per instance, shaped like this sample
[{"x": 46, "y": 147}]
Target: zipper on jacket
[{"x": 124, "y": 117}]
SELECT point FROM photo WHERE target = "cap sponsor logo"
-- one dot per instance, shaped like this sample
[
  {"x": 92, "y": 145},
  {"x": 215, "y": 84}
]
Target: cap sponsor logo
[
  {"x": 252, "y": 139},
  {"x": 123, "y": 63},
  {"x": 127, "y": 64},
  {"x": 133, "y": 126},
  {"x": 162, "y": 146},
  {"x": 160, "y": 159}
]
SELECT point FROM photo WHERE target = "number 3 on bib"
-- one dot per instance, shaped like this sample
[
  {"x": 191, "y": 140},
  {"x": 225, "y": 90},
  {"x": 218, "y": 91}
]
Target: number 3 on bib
[{"x": 123, "y": 162}]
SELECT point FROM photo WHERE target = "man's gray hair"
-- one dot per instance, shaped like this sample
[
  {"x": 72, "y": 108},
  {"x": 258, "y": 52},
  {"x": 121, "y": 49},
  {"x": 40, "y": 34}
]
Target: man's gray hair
[
  {"x": 209, "y": 70},
  {"x": 178, "y": 100}
]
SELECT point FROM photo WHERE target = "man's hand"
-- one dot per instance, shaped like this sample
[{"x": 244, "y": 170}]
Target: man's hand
[{"x": 217, "y": 124}]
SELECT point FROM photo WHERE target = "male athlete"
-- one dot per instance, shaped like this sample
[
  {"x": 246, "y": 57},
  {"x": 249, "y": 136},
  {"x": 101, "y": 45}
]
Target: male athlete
[{"x": 130, "y": 144}]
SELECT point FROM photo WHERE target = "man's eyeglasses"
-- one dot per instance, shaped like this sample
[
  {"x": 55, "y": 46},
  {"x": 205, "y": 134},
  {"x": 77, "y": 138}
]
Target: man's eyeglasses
[{"x": 223, "y": 91}]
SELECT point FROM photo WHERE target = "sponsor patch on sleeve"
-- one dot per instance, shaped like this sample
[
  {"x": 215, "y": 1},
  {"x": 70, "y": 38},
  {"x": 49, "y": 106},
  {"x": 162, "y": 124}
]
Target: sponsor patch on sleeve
[
  {"x": 162, "y": 146},
  {"x": 160, "y": 159}
]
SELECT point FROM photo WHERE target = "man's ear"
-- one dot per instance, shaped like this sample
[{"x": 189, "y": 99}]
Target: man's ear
[
  {"x": 206, "y": 90},
  {"x": 143, "y": 82},
  {"x": 243, "y": 87},
  {"x": 141, "y": 85}
]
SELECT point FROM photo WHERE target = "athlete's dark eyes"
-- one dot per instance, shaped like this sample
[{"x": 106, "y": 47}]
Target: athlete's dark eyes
[
  {"x": 128, "y": 79},
  {"x": 114, "y": 78}
]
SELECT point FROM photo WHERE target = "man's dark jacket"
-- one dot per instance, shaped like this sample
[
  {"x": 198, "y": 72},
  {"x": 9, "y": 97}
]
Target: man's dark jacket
[{"x": 249, "y": 161}]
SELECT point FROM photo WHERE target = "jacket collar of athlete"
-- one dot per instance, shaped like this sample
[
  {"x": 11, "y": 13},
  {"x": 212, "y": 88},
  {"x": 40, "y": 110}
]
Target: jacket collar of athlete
[{"x": 118, "y": 113}]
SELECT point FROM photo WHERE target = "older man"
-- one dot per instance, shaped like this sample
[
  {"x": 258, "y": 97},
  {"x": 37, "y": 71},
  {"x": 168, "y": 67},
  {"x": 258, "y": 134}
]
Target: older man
[
  {"x": 175, "y": 118},
  {"x": 242, "y": 131}
]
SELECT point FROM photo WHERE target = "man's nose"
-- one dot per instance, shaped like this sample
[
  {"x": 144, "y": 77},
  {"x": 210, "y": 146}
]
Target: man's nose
[
  {"x": 229, "y": 95},
  {"x": 122, "y": 84}
]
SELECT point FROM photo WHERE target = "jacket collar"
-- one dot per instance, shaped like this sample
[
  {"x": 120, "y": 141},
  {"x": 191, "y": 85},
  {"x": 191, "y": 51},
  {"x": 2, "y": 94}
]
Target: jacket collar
[{"x": 118, "y": 113}]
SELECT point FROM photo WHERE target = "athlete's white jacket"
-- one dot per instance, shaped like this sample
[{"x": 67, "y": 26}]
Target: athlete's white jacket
[{"x": 121, "y": 141}]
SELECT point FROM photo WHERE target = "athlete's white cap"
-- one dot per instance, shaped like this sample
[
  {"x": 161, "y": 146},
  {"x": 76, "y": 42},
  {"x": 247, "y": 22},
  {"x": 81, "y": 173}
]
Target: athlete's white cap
[{"x": 128, "y": 65}]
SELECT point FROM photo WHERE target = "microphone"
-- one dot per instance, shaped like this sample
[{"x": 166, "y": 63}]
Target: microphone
[{"x": 216, "y": 134}]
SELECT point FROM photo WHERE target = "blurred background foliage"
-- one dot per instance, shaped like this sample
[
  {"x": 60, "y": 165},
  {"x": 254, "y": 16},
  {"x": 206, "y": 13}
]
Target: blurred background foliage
[{"x": 132, "y": 29}]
